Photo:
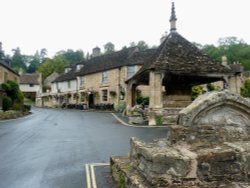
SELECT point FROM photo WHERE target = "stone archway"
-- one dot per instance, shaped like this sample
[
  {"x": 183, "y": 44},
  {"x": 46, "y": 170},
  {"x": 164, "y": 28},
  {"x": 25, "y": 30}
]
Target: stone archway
[{"x": 216, "y": 108}]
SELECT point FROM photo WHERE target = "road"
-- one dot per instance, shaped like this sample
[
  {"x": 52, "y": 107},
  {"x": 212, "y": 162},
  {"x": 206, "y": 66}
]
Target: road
[{"x": 49, "y": 149}]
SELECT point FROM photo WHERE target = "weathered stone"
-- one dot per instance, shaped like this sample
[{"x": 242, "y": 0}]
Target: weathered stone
[
  {"x": 206, "y": 150},
  {"x": 216, "y": 108}
]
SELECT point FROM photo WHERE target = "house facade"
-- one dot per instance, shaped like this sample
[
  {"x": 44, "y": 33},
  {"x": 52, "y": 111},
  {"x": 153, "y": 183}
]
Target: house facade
[
  {"x": 6, "y": 73},
  {"x": 100, "y": 80},
  {"x": 31, "y": 86}
]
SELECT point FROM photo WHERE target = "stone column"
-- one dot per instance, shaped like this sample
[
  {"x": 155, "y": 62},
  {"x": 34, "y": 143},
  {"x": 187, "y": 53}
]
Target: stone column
[
  {"x": 155, "y": 83},
  {"x": 155, "y": 98},
  {"x": 128, "y": 96}
]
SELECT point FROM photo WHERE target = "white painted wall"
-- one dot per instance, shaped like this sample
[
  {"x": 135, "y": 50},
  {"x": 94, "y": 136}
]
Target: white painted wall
[
  {"x": 28, "y": 88},
  {"x": 64, "y": 87}
]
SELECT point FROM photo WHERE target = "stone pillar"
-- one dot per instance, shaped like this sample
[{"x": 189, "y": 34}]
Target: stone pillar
[
  {"x": 155, "y": 83},
  {"x": 155, "y": 98},
  {"x": 128, "y": 96}
]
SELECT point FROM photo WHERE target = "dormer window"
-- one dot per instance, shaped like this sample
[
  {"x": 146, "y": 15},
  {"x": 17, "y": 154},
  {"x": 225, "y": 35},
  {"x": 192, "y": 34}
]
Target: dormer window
[
  {"x": 67, "y": 69},
  {"x": 79, "y": 67}
]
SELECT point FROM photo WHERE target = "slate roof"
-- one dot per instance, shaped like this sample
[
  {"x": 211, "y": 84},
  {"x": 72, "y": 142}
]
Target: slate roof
[
  {"x": 107, "y": 61},
  {"x": 30, "y": 79},
  {"x": 125, "y": 57},
  {"x": 179, "y": 56},
  {"x": 71, "y": 75},
  {"x": 6, "y": 65}
]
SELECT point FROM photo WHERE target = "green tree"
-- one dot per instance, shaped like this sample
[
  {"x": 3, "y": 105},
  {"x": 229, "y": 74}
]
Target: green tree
[
  {"x": 142, "y": 45},
  {"x": 17, "y": 60},
  {"x": 72, "y": 56},
  {"x": 14, "y": 93},
  {"x": 245, "y": 90},
  {"x": 56, "y": 64},
  {"x": 109, "y": 48}
]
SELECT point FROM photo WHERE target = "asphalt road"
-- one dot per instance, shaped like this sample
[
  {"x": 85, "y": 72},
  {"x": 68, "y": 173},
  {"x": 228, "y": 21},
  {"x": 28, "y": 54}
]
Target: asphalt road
[{"x": 49, "y": 149}]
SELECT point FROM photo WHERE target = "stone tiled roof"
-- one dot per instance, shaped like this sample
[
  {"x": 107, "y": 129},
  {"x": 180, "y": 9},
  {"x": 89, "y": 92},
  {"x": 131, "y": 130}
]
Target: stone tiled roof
[
  {"x": 177, "y": 55},
  {"x": 246, "y": 74},
  {"x": 30, "y": 79},
  {"x": 6, "y": 65},
  {"x": 125, "y": 57},
  {"x": 71, "y": 75},
  {"x": 107, "y": 61}
]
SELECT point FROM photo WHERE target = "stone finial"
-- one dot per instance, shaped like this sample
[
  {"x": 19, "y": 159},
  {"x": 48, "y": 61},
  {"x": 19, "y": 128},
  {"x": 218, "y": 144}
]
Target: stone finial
[{"x": 173, "y": 19}]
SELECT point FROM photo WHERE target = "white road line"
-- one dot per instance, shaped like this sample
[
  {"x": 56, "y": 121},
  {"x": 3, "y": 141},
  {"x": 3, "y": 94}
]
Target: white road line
[
  {"x": 93, "y": 176},
  {"x": 90, "y": 173},
  {"x": 88, "y": 176}
]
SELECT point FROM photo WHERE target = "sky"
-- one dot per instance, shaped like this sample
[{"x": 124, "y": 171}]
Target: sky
[{"x": 84, "y": 24}]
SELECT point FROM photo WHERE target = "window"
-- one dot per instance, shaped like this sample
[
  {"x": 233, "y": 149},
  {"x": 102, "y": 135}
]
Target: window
[
  {"x": 31, "y": 85},
  {"x": 104, "y": 77},
  {"x": 105, "y": 95},
  {"x": 82, "y": 80},
  {"x": 130, "y": 71},
  {"x": 78, "y": 67},
  {"x": 69, "y": 84}
]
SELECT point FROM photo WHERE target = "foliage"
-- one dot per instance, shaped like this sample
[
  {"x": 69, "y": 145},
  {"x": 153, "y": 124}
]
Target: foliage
[
  {"x": 142, "y": 45},
  {"x": 7, "y": 103},
  {"x": 121, "y": 180},
  {"x": 109, "y": 48},
  {"x": 159, "y": 119},
  {"x": 13, "y": 91},
  {"x": 73, "y": 57},
  {"x": 142, "y": 100},
  {"x": 120, "y": 107},
  {"x": 196, "y": 91},
  {"x": 236, "y": 51},
  {"x": 56, "y": 64},
  {"x": 17, "y": 60},
  {"x": 245, "y": 90},
  {"x": 210, "y": 87}
]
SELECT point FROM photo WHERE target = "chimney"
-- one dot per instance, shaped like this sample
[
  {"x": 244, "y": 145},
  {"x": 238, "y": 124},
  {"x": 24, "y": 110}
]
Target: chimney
[
  {"x": 224, "y": 60},
  {"x": 173, "y": 19},
  {"x": 96, "y": 51},
  {"x": 1, "y": 48}
]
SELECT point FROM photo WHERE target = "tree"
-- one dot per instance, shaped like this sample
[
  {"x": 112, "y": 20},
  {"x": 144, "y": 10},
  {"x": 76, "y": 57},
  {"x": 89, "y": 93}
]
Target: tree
[
  {"x": 17, "y": 60},
  {"x": 15, "y": 96},
  {"x": 142, "y": 45},
  {"x": 72, "y": 56},
  {"x": 109, "y": 48},
  {"x": 245, "y": 90},
  {"x": 56, "y": 64}
]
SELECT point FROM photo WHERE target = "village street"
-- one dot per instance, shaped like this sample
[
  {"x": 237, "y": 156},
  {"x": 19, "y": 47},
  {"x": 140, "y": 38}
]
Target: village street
[{"x": 50, "y": 148}]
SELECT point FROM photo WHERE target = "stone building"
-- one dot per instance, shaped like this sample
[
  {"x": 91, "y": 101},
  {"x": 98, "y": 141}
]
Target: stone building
[
  {"x": 174, "y": 68},
  {"x": 99, "y": 80},
  {"x": 6, "y": 73},
  {"x": 31, "y": 86}
]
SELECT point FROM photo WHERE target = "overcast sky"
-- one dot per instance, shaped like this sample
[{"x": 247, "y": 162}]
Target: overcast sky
[{"x": 83, "y": 24}]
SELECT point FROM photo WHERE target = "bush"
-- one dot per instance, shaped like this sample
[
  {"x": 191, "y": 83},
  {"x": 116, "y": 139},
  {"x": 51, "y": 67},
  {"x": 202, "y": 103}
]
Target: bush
[
  {"x": 245, "y": 90},
  {"x": 7, "y": 103},
  {"x": 120, "y": 107},
  {"x": 142, "y": 100},
  {"x": 17, "y": 106}
]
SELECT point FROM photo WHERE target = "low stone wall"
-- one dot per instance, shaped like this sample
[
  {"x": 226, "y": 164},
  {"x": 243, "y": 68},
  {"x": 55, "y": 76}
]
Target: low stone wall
[{"x": 210, "y": 147}]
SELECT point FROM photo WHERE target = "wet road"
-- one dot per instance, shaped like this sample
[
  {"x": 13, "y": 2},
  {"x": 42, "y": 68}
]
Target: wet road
[{"x": 50, "y": 148}]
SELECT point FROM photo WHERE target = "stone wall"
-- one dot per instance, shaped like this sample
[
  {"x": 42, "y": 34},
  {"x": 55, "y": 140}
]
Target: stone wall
[{"x": 209, "y": 147}]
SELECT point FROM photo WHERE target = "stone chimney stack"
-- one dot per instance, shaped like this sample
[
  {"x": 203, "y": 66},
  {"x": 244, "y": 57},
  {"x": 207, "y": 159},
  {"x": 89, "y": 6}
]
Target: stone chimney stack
[
  {"x": 224, "y": 60},
  {"x": 96, "y": 51},
  {"x": 173, "y": 19}
]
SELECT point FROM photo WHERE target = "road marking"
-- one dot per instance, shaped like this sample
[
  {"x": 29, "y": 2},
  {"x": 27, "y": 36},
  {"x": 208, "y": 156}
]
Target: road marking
[
  {"x": 90, "y": 173},
  {"x": 88, "y": 176}
]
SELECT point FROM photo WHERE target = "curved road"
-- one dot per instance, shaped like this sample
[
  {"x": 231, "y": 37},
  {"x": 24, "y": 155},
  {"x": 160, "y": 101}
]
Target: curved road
[{"x": 49, "y": 149}]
